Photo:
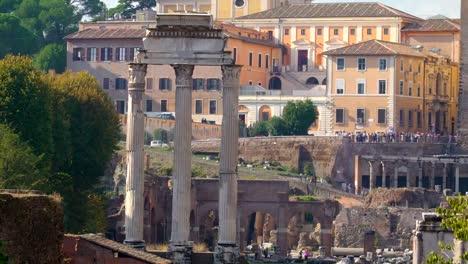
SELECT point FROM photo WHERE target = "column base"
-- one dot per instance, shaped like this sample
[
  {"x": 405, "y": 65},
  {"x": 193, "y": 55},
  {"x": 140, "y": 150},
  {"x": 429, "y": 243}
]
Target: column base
[
  {"x": 226, "y": 254},
  {"x": 181, "y": 252},
  {"x": 136, "y": 244}
]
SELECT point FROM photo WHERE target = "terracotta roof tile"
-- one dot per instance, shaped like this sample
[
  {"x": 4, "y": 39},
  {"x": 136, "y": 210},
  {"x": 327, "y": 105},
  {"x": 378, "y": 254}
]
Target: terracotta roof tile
[
  {"x": 108, "y": 34},
  {"x": 376, "y": 47},
  {"x": 322, "y": 10},
  {"x": 434, "y": 25},
  {"x": 121, "y": 248}
]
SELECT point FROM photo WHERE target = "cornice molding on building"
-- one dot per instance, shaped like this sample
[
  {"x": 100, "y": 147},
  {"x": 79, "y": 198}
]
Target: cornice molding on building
[{"x": 300, "y": 21}]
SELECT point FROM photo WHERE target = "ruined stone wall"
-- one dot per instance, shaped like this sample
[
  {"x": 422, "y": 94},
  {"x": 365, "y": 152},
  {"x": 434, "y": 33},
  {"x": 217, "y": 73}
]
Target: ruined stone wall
[{"x": 31, "y": 228}]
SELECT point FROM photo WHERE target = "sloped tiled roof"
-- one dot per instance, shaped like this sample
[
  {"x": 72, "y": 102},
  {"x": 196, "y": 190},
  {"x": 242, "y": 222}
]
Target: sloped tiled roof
[
  {"x": 323, "y": 10},
  {"x": 434, "y": 25},
  {"x": 376, "y": 47},
  {"x": 123, "y": 249},
  {"x": 108, "y": 34},
  {"x": 252, "y": 40}
]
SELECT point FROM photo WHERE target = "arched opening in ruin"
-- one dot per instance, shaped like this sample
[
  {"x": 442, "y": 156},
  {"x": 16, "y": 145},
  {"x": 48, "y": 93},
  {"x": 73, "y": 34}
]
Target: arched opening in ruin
[
  {"x": 312, "y": 81},
  {"x": 324, "y": 82},
  {"x": 303, "y": 231},
  {"x": 209, "y": 229},
  {"x": 264, "y": 113},
  {"x": 274, "y": 84},
  {"x": 261, "y": 228}
]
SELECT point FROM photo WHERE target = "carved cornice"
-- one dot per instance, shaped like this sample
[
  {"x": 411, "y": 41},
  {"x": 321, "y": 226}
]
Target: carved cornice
[{"x": 183, "y": 74}]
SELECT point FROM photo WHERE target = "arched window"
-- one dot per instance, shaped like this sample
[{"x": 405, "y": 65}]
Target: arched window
[
  {"x": 274, "y": 84},
  {"x": 324, "y": 82},
  {"x": 312, "y": 81}
]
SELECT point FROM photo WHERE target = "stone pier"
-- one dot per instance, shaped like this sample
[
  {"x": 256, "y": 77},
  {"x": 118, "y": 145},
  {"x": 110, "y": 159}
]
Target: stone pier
[
  {"x": 227, "y": 251},
  {"x": 180, "y": 248},
  {"x": 135, "y": 157}
]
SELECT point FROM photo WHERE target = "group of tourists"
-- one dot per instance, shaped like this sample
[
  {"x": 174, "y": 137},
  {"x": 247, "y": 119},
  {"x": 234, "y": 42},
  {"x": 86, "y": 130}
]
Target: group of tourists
[{"x": 389, "y": 137}]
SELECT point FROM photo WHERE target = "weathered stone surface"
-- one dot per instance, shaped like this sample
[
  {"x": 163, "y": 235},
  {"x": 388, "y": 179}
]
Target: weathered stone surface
[
  {"x": 411, "y": 197},
  {"x": 31, "y": 228}
]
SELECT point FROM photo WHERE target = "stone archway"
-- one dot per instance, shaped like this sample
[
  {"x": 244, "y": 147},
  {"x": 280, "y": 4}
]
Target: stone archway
[
  {"x": 274, "y": 84},
  {"x": 208, "y": 233},
  {"x": 324, "y": 82},
  {"x": 264, "y": 113},
  {"x": 312, "y": 81},
  {"x": 261, "y": 227}
]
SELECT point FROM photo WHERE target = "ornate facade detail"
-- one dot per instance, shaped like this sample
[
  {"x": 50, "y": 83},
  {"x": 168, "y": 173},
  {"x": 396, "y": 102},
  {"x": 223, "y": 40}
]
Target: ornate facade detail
[
  {"x": 183, "y": 74},
  {"x": 136, "y": 75},
  {"x": 231, "y": 73}
]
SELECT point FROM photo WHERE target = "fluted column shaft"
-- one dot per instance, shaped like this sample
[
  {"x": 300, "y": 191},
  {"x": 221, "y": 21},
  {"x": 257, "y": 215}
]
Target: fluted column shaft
[
  {"x": 229, "y": 156},
  {"x": 395, "y": 176},
  {"x": 182, "y": 156},
  {"x": 457, "y": 178},
  {"x": 134, "y": 187},
  {"x": 371, "y": 176},
  {"x": 384, "y": 175},
  {"x": 420, "y": 174}
]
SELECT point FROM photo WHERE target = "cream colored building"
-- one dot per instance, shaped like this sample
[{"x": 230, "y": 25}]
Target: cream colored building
[{"x": 379, "y": 86}]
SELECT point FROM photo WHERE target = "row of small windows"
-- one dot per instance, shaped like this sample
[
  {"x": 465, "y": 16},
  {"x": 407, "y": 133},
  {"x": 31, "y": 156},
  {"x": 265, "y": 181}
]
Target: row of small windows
[
  {"x": 149, "y": 106},
  {"x": 410, "y": 67},
  {"x": 260, "y": 60},
  {"x": 165, "y": 84},
  {"x": 104, "y": 54},
  {"x": 410, "y": 89},
  {"x": 361, "y": 64},
  {"x": 411, "y": 114},
  {"x": 360, "y": 117},
  {"x": 336, "y": 31},
  {"x": 360, "y": 86}
]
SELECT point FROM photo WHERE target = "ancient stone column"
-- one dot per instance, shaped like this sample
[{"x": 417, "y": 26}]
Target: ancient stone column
[
  {"x": 420, "y": 174},
  {"x": 417, "y": 247},
  {"x": 371, "y": 176},
  {"x": 227, "y": 250},
  {"x": 432, "y": 176},
  {"x": 444, "y": 177},
  {"x": 408, "y": 179},
  {"x": 180, "y": 248},
  {"x": 259, "y": 227},
  {"x": 135, "y": 157},
  {"x": 395, "y": 176},
  {"x": 384, "y": 175},
  {"x": 457, "y": 178}
]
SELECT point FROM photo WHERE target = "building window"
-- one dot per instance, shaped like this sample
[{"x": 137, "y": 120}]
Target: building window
[
  {"x": 382, "y": 116},
  {"x": 429, "y": 119},
  {"x": 361, "y": 86},
  {"x": 149, "y": 83},
  {"x": 259, "y": 60},
  {"x": 382, "y": 86},
  {"x": 270, "y": 35},
  {"x": 198, "y": 84},
  {"x": 78, "y": 54},
  {"x": 411, "y": 67},
  {"x": 91, "y": 54},
  {"x": 361, "y": 64},
  {"x": 212, "y": 84},
  {"x": 336, "y": 32},
  {"x": 163, "y": 105},
  {"x": 383, "y": 64},
  {"x": 339, "y": 116},
  {"x": 120, "y": 84},
  {"x": 352, "y": 31},
  {"x": 361, "y": 116},
  {"x": 120, "y": 54},
  {"x": 402, "y": 117},
  {"x": 410, "y": 90},
  {"x": 106, "y": 54},
  {"x": 319, "y": 31},
  {"x": 198, "y": 107},
  {"x": 212, "y": 107},
  {"x": 165, "y": 84},
  {"x": 340, "y": 86},
  {"x": 385, "y": 31},
  {"x": 286, "y": 31},
  {"x": 267, "y": 61},
  {"x": 133, "y": 53},
  {"x": 250, "y": 83},
  {"x": 402, "y": 65},
  {"x": 418, "y": 117},
  {"x": 234, "y": 55},
  {"x": 105, "y": 84},
  {"x": 250, "y": 58},
  {"x": 402, "y": 87},
  {"x": 149, "y": 105},
  {"x": 419, "y": 90},
  {"x": 303, "y": 32},
  {"x": 369, "y": 31},
  {"x": 419, "y": 68},
  {"x": 410, "y": 118},
  {"x": 340, "y": 64},
  {"x": 120, "y": 106}
]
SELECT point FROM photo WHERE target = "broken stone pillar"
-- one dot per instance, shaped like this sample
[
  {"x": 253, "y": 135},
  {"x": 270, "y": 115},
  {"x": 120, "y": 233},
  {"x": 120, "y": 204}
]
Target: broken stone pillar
[
  {"x": 227, "y": 251},
  {"x": 444, "y": 177},
  {"x": 384, "y": 175},
  {"x": 369, "y": 242},
  {"x": 180, "y": 248},
  {"x": 420, "y": 174},
  {"x": 457, "y": 178},
  {"x": 371, "y": 176},
  {"x": 259, "y": 227},
  {"x": 357, "y": 176},
  {"x": 432, "y": 187},
  {"x": 395, "y": 176},
  {"x": 134, "y": 187},
  {"x": 417, "y": 247}
]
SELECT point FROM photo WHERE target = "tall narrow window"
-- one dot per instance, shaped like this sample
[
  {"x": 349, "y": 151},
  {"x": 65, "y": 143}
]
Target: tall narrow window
[
  {"x": 361, "y": 86},
  {"x": 339, "y": 115},
  {"x": 267, "y": 61},
  {"x": 352, "y": 31},
  {"x": 402, "y": 65},
  {"x": 120, "y": 106},
  {"x": 319, "y": 31},
  {"x": 163, "y": 105},
  {"x": 385, "y": 31},
  {"x": 340, "y": 86},
  {"x": 149, "y": 84},
  {"x": 402, "y": 117},
  {"x": 91, "y": 54},
  {"x": 410, "y": 118},
  {"x": 105, "y": 83},
  {"x": 336, "y": 32},
  {"x": 78, "y": 54},
  {"x": 212, "y": 107},
  {"x": 303, "y": 32},
  {"x": 410, "y": 90},
  {"x": 250, "y": 58},
  {"x": 198, "y": 107},
  {"x": 121, "y": 54},
  {"x": 382, "y": 87},
  {"x": 402, "y": 87},
  {"x": 418, "y": 117},
  {"x": 149, "y": 105},
  {"x": 120, "y": 83},
  {"x": 383, "y": 64},
  {"x": 259, "y": 60},
  {"x": 286, "y": 31},
  {"x": 340, "y": 64},
  {"x": 106, "y": 54},
  {"x": 234, "y": 55},
  {"x": 382, "y": 116},
  {"x": 361, "y": 64},
  {"x": 361, "y": 116}
]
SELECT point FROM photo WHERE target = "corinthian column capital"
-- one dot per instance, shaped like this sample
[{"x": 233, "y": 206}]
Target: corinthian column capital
[
  {"x": 183, "y": 74},
  {"x": 136, "y": 76},
  {"x": 231, "y": 74}
]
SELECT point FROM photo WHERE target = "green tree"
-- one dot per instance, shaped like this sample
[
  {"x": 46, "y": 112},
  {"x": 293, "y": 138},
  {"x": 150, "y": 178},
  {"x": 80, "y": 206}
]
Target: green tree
[
  {"x": 19, "y": 166},
  {"x": 16, "y": 39},
  {"x": 58, "y": 19},
  {"x": 259, "y": 129},
  {"x": 299, "y": 116},
  {"x": 96, "y": 221},
  {"x": 161, "y": 134},
  {"x": 277, "y": 126},
  {"x": 127, "y": 8},
  {"x": 148, "y": 138},
  {"x": 51, "y": 57},
  {"x": 454, "y": 218},
  {"x": 8, "y": 6}
]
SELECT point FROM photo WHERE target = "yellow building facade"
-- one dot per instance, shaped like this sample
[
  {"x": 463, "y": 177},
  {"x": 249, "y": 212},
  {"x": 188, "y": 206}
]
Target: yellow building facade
[{"x": 379, "y": 86}]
